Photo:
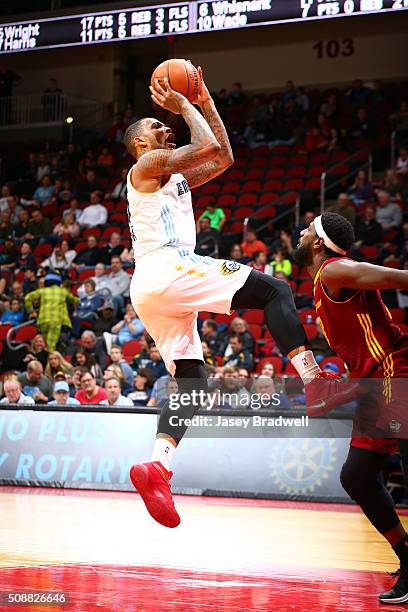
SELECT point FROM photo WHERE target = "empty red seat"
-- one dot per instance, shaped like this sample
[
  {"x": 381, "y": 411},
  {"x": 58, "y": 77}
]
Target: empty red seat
[
  {"x": 258, "y": 162},
  {"x": 235, "y": 228},
  {"x": 243, "y": 212},
  {"x": 228, "y": 199},
  {"x": 266, "y": 212},
  {"x": 300, "y": 159},
  {"x": 91, "y": 231},
  {"x": 316, "y": 170},
  {"x": 131, "y": 349},
  {"x": 254, "y": 316},
  {"x": 235, "y": 174},
  {"x": 247, "y": 198},
  {"x": 256, "y": 330},
  {"x": 231, "y": 187},
  {"x": 268, "y": 197},
  {"x": 273, "y": 185},
  {"x": 369, "y": 252},
  {"x": 318, "y": 158},
  {"x": 295, "y": 171},
  {"x": 290, "y": 198},
  {"x": 109, "y": 231},
  {"x": 210, "y": 188},
  {"x": 84, "y": 274},
  {"x": 250, "y": 186},
  {"x": 275, "y": 172},
  {"x": 294, "y": 184},
  {"x": 255, "y": 174},
  {"x": 205, "y": 200},
  {"x": 313, "y": 184},
  {"x": 278, "y": 160}
]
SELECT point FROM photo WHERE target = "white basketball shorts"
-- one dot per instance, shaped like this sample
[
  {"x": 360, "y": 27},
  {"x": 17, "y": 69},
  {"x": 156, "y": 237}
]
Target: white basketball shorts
[{"x": 168, "y": 289}]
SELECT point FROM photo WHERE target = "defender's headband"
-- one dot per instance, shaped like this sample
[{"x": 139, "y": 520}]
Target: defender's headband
[{"x": 322, "y": 234}]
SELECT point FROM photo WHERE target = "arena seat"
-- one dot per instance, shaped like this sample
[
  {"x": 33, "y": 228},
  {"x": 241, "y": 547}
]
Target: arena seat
[
  {"x": 267, "y": 198},
  {"x": 296, "y": 171},
  {"x": 267, "y": 212},
  {"x": 130, "y": 349},
  {"x": 251, "y": 186},
  {"x": 91, "y": 231},
  {"x": 336, "y": 360},
  {"x": 231, "y": 187},
  {"x": 275, "y": 360},
  {"x": 311, "y": 330},
  {"x": 275, "y": 172},
  {"x": 256, "y": 330},
  {"x": 247, "y": 198},
  {"x": 306, "y": 288},
  {"x": 369, "y": 252},
  {"x": 254, "y": 316}
]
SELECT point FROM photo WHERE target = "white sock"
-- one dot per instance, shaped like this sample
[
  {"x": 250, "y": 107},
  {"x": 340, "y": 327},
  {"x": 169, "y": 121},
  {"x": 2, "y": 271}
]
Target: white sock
[
  {"x": 306, "y": 366},
  {"x": 163, "y": 451}
]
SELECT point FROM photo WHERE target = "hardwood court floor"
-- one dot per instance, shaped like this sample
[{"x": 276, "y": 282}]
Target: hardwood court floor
[{"x": 105, "y": 551}]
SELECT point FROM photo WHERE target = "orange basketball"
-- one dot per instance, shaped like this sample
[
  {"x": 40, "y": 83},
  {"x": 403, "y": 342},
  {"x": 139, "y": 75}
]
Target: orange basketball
[{"x": 181, "y": 75}]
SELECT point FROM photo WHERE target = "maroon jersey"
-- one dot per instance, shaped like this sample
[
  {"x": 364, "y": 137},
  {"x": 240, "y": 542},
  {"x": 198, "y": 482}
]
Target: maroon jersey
[{"x": 359, "y": 329}]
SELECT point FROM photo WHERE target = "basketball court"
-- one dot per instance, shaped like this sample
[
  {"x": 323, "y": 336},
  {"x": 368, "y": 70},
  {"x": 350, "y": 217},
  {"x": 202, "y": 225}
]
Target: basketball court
[{"x": 105, "y": 552}]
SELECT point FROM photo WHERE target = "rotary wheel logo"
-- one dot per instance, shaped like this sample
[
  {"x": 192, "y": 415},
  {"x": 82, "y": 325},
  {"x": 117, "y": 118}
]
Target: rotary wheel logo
[{"x": 301, "y": 465}]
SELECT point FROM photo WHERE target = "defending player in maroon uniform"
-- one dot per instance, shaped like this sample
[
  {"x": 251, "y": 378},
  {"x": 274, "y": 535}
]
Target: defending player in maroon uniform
[{"x": 359, "y": 328}]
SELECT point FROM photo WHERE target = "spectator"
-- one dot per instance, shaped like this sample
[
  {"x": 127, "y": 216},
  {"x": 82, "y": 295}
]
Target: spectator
[
  {"x": 210, "y": 335},
  {"x": 259, "y": 262},
  {"x": 94, "y": 348},
  {"x": 107, "y": 318},
  {"x": 302, "y": 99},
  {"x": 388, "y": 214},
  {"x": 53, "y": 314},
  {"x": 316, "y": 141},
  {"x": 240, "y": 326},
  {"x": 280, "y": 262},
  {"x": 207, "y": 238},
  {"x": 361, "y": 127},
  {"x": 90, "y": 392},
  {"x": 26, "y": 259},
  {"x": 6, "y": 228},
  {"x": 21, "y": 229},
  {"x": 117, "y": 130},
  {"x": 61, "y": 258},
  {"x": 30, "y": 282},
  {"x": 95, "y": 214},
  {"x": 43, "y": 193},
  {"x": 143, "y": 383},
  {"x": 83, "y": 359},
  {"x": 13, "y": 315},
  {"x": 114, "y": 247},
  {"x": 209, "y": 356},
  {"x": 358, "y": 94},
  {"x": 112, "y": 388},
  {"x": 118, "y": 281},
  {"x": 368, "y": 231},
  {"x": 116, "y": 355},
  {"x": 89, "y": 305},
  {"x": 143, "y": 357},
  {"x": 251, "y": 244},
  {"x": 14, "y": 209},
  {"x": 38, "y": 351},
  {"x": 216, "y": 217},
  {"x": 101, "y": 280},
  {"x": 13, "y": 393},
  {"x": 90, "y": 255},
  {"x": 237, "y": 254},
  {"x": 344, "y": 208},
  {"x": 61, "y": 395},
  {"x": 130, "y": 328},
  {"x": 402, "y": 162},
  {"x": 113, "y": 370},
  {"x": 4, "y": 196},
  {"x": 267, "y": 396},
  {"x": 236, "y": 95},
  {"x": 232, "y": 394},
  {"x": 238, "y": 357},
  {"x": 361, "y": 190},
  {"x": 268, "y": 369},
  {"x": 105, "y": 158},
  {"x": 155, "y": 363},
  {"x": 35, "y": 384},
  {"x": 39, "y": 227},
  {"x": 57, "y": 364},
  {"x": 73, "y": 209},
  {"x": 89, "y": 185},
  {"x": 120, "y": 190},
  {"x": 67, "y": 228},
  {"x": 43, "y": 167}
]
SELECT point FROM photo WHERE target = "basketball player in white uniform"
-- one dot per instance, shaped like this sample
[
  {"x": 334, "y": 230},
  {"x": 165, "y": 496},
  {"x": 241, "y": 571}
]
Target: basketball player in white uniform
[{"x": 171, "y": 284}]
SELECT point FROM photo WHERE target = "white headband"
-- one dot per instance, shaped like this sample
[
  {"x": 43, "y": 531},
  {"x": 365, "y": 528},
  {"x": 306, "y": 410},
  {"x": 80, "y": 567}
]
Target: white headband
[{"x": 322, "y": 234}]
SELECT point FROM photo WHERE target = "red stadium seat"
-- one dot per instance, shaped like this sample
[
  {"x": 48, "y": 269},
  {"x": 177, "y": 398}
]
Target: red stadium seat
[
  {"x": 273, "y": 185},
  {"x": 275, "y": 172},
  {"x": 296, "y": 171},
  {"x": 235, "y": 228},
  {"x": 235, "y": 174},
  {"x": 319, "y": 158},
  {"x": 268, "y": 197},
  {"x": 258, "y": 162},
  {"x": 255, "y": 174},
  {"x": 290, "y": 197},
  {"x": 224, "y": 318},
  {"x": 84, "y": 274},
  {"x": 24, "y": 334},
  {"x": 311, "y": 330},
  {"x": 241, "y": 213},
  {"x": 227, "y": 200},
  {"x": 256, "y": 330},
  {"x": 121, "y": 218},
  {"x": 312, "y": 184},
  {"x": 369, "y": 252},
  {"x": 300, "y": 159},
  {"x": 251, "y": 186},
  {"x": 130, "y": 349},
  {"x": 42, "y": 250},
  {"x": 205, "y": 315},
  {"x": 290, "y": 369},
  {"x": 231, "y": 187},
  {"x": 316, "y": 170},
  {"x": 109, "y": 231},
  {"x": 294, "y": 184},
  {"x": 267, "y": 212},
  {"x": 210, "y": 188},
  {"x": 278, "y": 160},
  {"x": 4, "y": 329},
  {"x": 247, "y": 199},
  {"x": 91, "y": 231}
]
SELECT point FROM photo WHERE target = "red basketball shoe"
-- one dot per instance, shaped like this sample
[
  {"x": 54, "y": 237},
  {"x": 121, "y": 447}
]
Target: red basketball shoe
[
  {"x": 326, "y": 391},
  {"x": 151, "y": 480}
]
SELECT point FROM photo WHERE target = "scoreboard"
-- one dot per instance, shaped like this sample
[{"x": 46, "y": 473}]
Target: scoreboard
[{"x": 178, "y": 18}]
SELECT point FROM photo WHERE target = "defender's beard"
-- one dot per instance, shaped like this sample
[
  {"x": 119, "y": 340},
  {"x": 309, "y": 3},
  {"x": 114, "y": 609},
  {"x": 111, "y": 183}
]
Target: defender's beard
[{"x": 302, "y": 255}]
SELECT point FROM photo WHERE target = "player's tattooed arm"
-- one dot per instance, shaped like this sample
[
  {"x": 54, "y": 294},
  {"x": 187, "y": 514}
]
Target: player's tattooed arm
[
  {"x": 203, "y": 146},
  {"x": 225, "y": 158},
  {"x": 348, "y": 274}
]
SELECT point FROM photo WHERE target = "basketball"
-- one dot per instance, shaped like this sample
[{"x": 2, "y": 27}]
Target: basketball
[{"x": 182, "y": 76}]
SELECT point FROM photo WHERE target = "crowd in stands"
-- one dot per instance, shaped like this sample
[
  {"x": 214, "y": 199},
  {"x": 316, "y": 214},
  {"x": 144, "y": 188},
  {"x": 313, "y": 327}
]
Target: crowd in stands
[{"x": 68, "y": 333}]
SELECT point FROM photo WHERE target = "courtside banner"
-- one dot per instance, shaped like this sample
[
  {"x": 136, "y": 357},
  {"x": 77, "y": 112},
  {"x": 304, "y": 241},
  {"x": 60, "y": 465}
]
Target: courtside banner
[{"x": 94, "y": 450}]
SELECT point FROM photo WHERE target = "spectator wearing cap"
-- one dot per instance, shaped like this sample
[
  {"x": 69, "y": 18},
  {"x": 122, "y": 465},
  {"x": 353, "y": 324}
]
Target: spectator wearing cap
[
  {"x": 53, "y": 313},
  {"x": 331, "y": 367},
  {"x": 13, "y": 393},
  {"x": 107, "y": 318},
  {"x": 115, "y": 398},
  {"x": 388, "y": 214},
  {"x": 115, "y": 247},
  {"x": 35, "y": 384},
  {"x": 61, "y": 395},
  {"x": 116, "y": 355},
  {"x": 90, "y": 392},
  {"x": 95, "y": 214}
]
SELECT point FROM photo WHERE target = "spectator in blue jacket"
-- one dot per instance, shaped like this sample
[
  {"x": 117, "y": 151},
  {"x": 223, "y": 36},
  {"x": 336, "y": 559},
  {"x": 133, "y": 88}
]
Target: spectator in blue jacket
[
  {"x": 14, "y": 314},
  {"x": 116, "y": 355},
  {"x": 43, "y": 193},
  {"x": 130, "y": 328},
  {"x": 91, "y": 302}
]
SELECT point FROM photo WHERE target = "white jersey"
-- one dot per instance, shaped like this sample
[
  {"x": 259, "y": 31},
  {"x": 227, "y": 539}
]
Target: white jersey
[{"x": 162, "y": 218}]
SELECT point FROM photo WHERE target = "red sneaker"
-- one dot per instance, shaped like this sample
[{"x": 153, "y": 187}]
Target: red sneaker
[
  {"x": 151, "y": 480},
  {"x": 326, "y": 391}
]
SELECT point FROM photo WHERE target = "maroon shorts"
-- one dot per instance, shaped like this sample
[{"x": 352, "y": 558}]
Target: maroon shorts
[{"x": 393, "y": 412}]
